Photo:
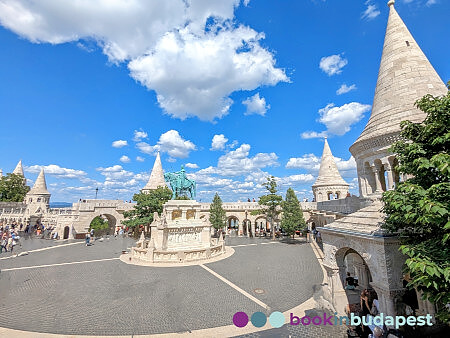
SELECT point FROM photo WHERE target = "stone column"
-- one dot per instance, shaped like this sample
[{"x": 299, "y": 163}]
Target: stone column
[
  {"x": 183, "y": 214},
  {"x": 240, "y": 229},
  {"x": 376, "y": 170},
  {"x": 253, "y": 226},
  {"x": 390, "y": 176}
]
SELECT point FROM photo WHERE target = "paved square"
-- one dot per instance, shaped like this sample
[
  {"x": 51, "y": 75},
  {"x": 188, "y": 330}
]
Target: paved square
[{"x": 74, "y": 289}]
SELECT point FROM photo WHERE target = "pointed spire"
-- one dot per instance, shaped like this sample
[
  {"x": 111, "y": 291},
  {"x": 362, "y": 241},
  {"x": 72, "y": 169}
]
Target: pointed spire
[
  {"x": 40, "y": 186},
  {"x": 156, "y": 177},
  {"x": 405, "y": 75},
  {"x": 1, "y": 173},
  {"x": 328, "y": 172},
  {"x": 19, "y": 169}
]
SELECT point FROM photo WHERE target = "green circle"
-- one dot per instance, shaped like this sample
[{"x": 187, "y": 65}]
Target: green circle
[
  {"x": 259, "y": 319},
  {"x": 276, "y": 319}
]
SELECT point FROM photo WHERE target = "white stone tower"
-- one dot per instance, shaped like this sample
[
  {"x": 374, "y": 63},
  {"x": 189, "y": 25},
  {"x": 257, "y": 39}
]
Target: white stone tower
[
  {"x": 156, "y": 177},
  {"x": 19, "y": 169},
  {"x": 329, "y": 184},
  {"x": 405, "y": 75},
  {"x": 38, "y": 198}
]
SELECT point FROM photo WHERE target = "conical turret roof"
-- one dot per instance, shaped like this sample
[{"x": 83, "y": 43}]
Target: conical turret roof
[
  {"x": 405, "y": 75},
  {"x": 328, "y": 172},
  {"x": 19, "y": 169},
  {"x": 40, "y": 186},
  {"x": 156, "y": 177}
]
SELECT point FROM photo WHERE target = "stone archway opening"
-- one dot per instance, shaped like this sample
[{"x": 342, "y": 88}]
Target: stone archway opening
[
  {"x": 353, "y": 278},
  {"x": 104, "y": 224},
  {"x": 233, "y": 225}
]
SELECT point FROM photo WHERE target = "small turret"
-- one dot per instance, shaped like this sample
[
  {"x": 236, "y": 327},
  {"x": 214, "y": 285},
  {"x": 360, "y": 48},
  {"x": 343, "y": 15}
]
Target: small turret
[{"x": 156, "y": 177}]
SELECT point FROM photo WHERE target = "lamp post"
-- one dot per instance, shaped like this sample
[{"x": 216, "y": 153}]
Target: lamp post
[{"x": 96, "y": 192}]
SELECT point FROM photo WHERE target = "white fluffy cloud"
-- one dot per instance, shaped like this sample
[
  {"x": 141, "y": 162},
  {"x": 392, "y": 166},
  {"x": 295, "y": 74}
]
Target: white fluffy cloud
[
  {"x": 371, "y": 11},
  {"x": 119, "y": 144},
  {"x": 140, "y": 159},
  {"x": 124, "y": 159},
  {"x": 345, "y": 89},
  {"x": 256, "y": 105},
  {"x": 218, "y": 142},
  {"x": 332, "y": 64},
  {"x": 57, "y": 171},
  {"x": 192, "y": 63},
  {"x": 311, "y": 163},
  {"x": 191, "y": 165},
  {"x": 139, "y": 135},
  {"x": 171, "y": 143},
  {"x": 339, "y": 120},
  {"x": 194, "y": 74},
  {"x": 313, "y": 134}
]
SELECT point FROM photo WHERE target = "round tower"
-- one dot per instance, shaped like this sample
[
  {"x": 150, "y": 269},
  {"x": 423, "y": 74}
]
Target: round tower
[{"x": 405, "y": 75}]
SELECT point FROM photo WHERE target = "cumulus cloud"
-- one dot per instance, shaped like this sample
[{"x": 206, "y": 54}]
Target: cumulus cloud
[
  {"x": 119, "y": 144},
  {"x": 124, "y": 159},
  {"x": 171, "y": 143},
  {"x": 311, "y": 163},
  {"x": 313, "y": 134},
  {"x": 139, "y": 135},
  {"x": 332, "y": 64},
  {"x": 256, "y": 105},
  {"x": 218, "y": 142},
  {"x": 339, "y": 120},
  {"x": 371, "y": 11},
  {"x": 345, "y": 89},
  {"x": 140, "y": 159},
  {"x": 194, "y": 74},
  {"x": 172, "y": 47},
  {"x": 57, "y": 171},
  {"x": 191, "y": 165}
]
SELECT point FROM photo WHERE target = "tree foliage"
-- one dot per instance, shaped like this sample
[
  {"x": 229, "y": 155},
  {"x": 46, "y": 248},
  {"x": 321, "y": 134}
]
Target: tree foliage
[
  {"x": 418, "y": 209},
  {"x": 13, "y": 188},
  {"x": 217, "y": 215},
  {"x": 270, "y": 203},
  {"x": 146, "y": 205},
  {"x": 99, "y": 225},
  {"x": 292, "y": 219}
]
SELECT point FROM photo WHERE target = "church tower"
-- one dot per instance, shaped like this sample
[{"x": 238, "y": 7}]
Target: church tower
[
  {"x": 156, "y": 177},
  {"x": 329, "y": 184},
  {"x": 19, "y": 169},
  {"x": 405, "y": 75}
]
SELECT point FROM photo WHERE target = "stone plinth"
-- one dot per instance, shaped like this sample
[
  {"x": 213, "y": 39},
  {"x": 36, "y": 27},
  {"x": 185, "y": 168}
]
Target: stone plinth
[{"x": 178, "y": 236}]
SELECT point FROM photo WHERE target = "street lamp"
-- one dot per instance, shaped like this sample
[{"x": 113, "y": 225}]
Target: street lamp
[{"x": 96, "y": 192}]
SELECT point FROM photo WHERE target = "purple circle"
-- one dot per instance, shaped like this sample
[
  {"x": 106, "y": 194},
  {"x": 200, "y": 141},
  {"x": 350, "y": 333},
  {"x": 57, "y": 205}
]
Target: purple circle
[{"x": 240, "y": 319}]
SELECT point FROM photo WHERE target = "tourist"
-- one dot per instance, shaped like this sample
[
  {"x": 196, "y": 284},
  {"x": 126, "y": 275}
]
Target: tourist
[
  {"x": 88, "y": 239},
  {"x": 4, "y": 242},
  {"x": 10, "y": 244},
  {"x": 349, "y": 282},
  {"x": 318, "y": 237}
]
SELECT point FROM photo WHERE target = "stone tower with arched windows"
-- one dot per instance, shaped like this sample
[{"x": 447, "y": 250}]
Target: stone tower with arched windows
[
  {"x": 329, "y": 184},
  {"x": 405, "y": 75},
  {"x": 38, "y": 198}
]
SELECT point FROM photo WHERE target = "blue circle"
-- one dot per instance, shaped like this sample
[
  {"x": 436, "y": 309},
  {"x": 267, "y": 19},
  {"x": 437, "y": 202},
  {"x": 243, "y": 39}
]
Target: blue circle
[
  {"x": 276, "y": 319},
  {"x": 259, "y": 319}
]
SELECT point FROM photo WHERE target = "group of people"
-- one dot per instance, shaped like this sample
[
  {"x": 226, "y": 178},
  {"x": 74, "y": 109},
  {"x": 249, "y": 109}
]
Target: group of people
[{"x": 9, "y": 238}]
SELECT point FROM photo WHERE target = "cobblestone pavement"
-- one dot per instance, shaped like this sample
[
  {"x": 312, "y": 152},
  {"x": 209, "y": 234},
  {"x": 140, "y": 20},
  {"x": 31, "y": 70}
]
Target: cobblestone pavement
[
  {"x": 113, "y": 298},
  {"x": 27, "y": 244}
]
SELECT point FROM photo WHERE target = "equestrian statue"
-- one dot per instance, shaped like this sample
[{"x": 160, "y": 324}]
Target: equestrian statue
[{"x": 180, "y": 184}]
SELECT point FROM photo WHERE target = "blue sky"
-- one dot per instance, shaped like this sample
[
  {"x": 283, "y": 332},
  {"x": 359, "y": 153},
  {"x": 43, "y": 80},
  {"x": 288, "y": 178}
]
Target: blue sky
[{"x": 235, "y": 90}]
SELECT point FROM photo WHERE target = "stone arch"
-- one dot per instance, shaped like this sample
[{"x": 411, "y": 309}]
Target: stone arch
[{"x": 112, "y": 221}]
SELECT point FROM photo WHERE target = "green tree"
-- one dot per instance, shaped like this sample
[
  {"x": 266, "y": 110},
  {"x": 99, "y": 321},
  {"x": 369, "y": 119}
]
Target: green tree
[
  {"x": 146, "y": 205},
  {"x": 182, "y": 197},
  {"x": 99, "y": 225},
  {"x": 217, "y": 215},
  {"x": 270, "y": 203},
  {"x": 292, "y": 217},
  {"x": 13, "y": 188},
  {"x": 418, "y": 208}
]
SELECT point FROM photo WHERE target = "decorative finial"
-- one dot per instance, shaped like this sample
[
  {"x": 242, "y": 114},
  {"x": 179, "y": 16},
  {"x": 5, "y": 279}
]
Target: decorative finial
[{"x": 391, "y": 3}]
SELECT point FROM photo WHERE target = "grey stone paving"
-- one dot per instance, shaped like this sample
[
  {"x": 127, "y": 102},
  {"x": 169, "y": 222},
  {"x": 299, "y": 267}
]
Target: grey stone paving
[
  {"x": 114, "y": 298},
  {"x": 31, "y": 244}
]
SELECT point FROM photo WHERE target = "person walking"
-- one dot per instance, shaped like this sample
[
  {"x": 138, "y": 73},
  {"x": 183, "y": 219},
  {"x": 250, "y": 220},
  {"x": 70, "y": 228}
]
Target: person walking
[
  {"x": 3, "y": 242},
  {"x": 88, "y": 239}
]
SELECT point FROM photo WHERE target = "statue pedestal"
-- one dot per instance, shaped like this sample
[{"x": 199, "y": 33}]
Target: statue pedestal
[{"x": 179, "y": 235}]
